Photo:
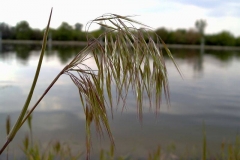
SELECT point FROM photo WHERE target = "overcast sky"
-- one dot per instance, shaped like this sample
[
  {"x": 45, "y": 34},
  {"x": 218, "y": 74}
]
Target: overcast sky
[{"x": 172, "y": 14}]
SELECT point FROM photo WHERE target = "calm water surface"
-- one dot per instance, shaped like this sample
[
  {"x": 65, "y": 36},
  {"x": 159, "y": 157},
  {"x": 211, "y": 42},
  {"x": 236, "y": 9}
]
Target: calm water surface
[{"x": 209, "y": 92}]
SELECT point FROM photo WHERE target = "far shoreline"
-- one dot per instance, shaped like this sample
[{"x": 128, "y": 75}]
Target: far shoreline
[{"x": 83, "y": 43}]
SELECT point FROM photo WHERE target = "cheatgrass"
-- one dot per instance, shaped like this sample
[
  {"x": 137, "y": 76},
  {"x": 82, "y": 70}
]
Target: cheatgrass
[
  {"x": 33, "y": 149},
  {"x": 127, "y": 57}
]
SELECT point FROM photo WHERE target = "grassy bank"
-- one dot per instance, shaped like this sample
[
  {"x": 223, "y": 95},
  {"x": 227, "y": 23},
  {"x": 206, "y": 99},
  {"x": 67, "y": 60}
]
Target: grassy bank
[{"x": 63, "y": 150}]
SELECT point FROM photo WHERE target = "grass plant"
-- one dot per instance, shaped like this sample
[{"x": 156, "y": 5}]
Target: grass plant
[
  {"x": 204, "y": 149},
  {"x": 34, "y": 150},
  {"x": 125, "y": 59},
  {"x": 20, "y": 121}
]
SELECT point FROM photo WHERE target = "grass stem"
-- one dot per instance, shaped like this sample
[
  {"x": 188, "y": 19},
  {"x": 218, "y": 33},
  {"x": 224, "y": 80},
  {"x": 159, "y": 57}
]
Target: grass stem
[
  {"x": 18, "y": 124},
  {"x": 45, "y": 92}
]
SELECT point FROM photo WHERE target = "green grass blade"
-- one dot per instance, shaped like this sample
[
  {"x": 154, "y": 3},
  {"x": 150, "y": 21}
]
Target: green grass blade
[
  {"x": 25, "y": 107},
  {"x": 204, "y": 150}
]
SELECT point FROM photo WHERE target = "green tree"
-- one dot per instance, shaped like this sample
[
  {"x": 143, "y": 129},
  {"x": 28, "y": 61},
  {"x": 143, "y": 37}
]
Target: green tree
[
  {"x": 201, "y": 25},
  {"x": 223, "y": 38},
  {"x": 7, "y": 31},
  {"x": 78, "y": 34},
  {"x": 23, "y": 31},
  {"x": 226, "y": 38},
  {"x": 163, "y": 33},
  {"x": 78, "y": 27},
  {"x": 65, "y": 26},
  {"x": 180, "y": 36},
  {"x": 36, "y": 34},
  {"x": 64, "y": 32},
  {"x": 192, "y": 37},
  {"x": 237, "y": 41}
]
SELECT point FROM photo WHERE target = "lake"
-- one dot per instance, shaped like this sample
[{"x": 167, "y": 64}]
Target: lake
[{"x": 208, "y": 92}]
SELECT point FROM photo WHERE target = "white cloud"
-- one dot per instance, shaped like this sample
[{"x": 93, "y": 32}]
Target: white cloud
[
  {"x": 226, "y": 23},
  {"x": 176, "y": 16}
]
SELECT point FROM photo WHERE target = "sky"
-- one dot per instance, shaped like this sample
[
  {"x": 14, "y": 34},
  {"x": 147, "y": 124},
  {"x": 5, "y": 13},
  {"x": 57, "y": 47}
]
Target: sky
[{"x": 172, "y": 14}]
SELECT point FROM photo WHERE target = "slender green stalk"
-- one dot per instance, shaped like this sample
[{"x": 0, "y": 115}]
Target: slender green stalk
[
  {"x": 18, "y": 124},
  {"x": 39, "y": 100},
  {"x": 204, "y": 150}
]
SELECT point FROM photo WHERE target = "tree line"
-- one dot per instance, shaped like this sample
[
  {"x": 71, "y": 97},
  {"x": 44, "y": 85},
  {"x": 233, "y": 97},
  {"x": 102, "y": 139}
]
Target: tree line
[
  {"x": 191, "y": 36},
  {"x": 67, "y": 32}
]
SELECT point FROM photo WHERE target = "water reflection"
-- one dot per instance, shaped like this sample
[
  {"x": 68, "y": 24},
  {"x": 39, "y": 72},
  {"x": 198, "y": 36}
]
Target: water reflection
[
  {"x": 209, "y": 91},
  {"x": 0, "y": 42},
  {"x": 64, "y": 53},
  {"x": 22, "y": 53},
  {"x": 0, "y": 47},
  {"x": 191, "y": 57},
  {"x": 199, "y": 64}
]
